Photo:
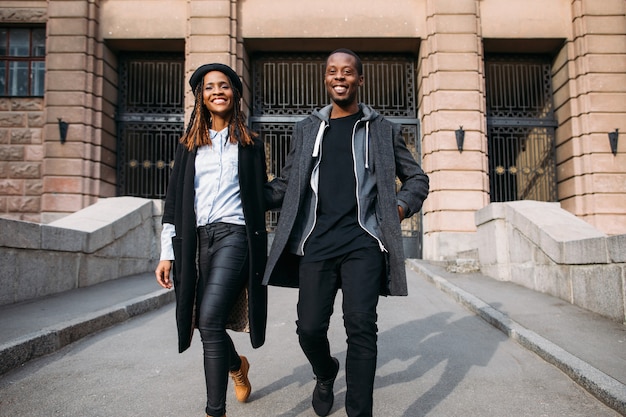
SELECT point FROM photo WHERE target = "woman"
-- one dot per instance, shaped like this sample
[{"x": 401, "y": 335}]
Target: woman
[{"x": 215, "y": 213}]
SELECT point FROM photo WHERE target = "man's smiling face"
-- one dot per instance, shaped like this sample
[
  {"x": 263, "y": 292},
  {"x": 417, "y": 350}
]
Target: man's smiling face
[{"x": 342, "y": 79}]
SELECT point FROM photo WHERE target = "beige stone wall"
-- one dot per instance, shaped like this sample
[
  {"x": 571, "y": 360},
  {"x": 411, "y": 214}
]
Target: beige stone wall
[
  {"x": 590, "y": 98},
  {"x": 76, "y": 173},
  {"x": 447, "y": 37}
]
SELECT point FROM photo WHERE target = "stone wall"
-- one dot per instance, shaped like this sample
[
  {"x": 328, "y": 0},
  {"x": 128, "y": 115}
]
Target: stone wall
[
  {"x": 546, "y": 248},
  {"x": 113, "y": 238},
  {"x": 21, "y": 158}
]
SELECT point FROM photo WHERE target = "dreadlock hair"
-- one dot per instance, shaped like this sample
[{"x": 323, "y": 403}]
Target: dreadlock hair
[{"x": 197, "y": 133}]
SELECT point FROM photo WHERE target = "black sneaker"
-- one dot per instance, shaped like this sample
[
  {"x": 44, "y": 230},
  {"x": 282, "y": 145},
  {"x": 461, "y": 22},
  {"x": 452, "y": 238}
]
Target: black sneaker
[{"x": 323, "y": 396}]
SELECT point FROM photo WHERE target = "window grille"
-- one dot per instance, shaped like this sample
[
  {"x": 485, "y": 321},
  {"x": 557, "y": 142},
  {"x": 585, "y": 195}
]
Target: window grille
[
  {"x": 521, "y": 128},
  {"x": 287, "y": 88},
  {"x": 22, "y": 61},
  {"x": 149, "y": 121}
]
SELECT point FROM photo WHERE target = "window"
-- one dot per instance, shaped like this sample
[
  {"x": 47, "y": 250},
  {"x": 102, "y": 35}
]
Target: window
[{"x": 22, "y": 61}]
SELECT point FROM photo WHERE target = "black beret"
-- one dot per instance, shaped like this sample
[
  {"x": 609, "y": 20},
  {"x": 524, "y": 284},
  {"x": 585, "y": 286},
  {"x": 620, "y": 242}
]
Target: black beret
[{"x": 198, "y": 75}]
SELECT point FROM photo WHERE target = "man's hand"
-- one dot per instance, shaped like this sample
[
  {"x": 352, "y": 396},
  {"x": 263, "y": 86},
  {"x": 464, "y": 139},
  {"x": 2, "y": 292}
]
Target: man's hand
[
  {"x": 401, "y": 213},
  {"x": 162, "y": 273}
]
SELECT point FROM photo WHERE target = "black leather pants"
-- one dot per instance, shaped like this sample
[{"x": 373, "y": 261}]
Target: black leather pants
[{"x": 222, "y": 261}]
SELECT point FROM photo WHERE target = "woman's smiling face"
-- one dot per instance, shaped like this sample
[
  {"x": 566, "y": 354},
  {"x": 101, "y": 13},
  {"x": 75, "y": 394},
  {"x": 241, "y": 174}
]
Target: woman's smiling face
[{"x": 218, "y": 95}]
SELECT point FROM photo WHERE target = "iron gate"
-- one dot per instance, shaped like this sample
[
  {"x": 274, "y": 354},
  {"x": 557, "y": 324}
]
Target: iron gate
[
  {"x": 150, "y": 122},
  {"x": 287, "y": 88},
  {"x": 520, "y": 125}
]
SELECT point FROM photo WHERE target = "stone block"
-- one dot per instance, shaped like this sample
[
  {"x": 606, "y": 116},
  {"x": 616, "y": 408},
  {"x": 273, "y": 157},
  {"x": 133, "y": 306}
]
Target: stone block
[
  {"x": 617, "y": 248},
  {"x": 21, "y": 136},
  {"x": 24, "y": 170},
  {"x": 8, "y": 273},
  {"x": 68, "y": 26},
  {"x": 62, "y": 239},
  {"x": 210, "y": 25},
  {"x": 24, "y": 204},
  {"x": 107, "y": 220},
  {"x": 136, "y": 266},
  {"x": 137, "y": 242},
  {"x": 18, "y": 234},
  {"x": 604, "y": 25},
  {"x": 35, "y": 120},
  {"x": 11, "y": 187},
  {"x": 212, "y": 7},
  {"x": 452, "y": 7},
  {"x": 561, "y": 235},
  {"x": 100, "y": 237},
  {"x": 520, "y": 248},
  {"x": 61, "y": 203},
  {"x": 523, "y": 274},
  {"x": 27, "y": 104},
  {"x": 94, "y": 270},
  {"x": 33, "y": 153},
  {"x": 599, "y": 288},
  {"x": 453, "y": 23},
  {"x": 554, "y": 280},
  {"x": 12, "y": 119},
  {"x": 12, "y": 153},
  {"x": 62, "y": 166},
  {"x": 43, "y": 273},
  {"x": 23, "y": 14}
]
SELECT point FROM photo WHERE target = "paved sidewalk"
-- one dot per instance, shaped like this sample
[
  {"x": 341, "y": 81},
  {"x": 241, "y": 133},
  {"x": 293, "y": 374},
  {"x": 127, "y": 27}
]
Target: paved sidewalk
[
  {"x": 38, "y": 327},
  {"x": 591, "y": 350}
]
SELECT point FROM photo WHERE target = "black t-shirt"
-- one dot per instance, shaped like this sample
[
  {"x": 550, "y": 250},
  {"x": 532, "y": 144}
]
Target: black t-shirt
[{"x": 337, "y": 230}]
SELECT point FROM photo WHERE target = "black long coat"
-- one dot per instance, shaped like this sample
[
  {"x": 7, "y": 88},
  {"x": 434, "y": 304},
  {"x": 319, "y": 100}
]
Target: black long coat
[{"x": 179, "y": 210}]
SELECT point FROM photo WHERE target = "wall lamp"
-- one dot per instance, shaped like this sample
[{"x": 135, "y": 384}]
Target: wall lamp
[
  {"x": 63, "y": 130},
  {"x": 460, "y": 137},
  {"x": 613, "y": 141}
]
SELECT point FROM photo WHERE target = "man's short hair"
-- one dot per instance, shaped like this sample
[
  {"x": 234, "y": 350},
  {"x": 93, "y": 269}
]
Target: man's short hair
[{"x": 359, "y": 64}]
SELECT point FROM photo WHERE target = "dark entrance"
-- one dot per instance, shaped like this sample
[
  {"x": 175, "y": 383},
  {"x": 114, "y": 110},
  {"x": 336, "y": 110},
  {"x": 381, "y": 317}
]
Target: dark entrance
[
  {"x": 149, "y": 122},
  {"x": 520, "y": 124},
  {"x": 286, "y": 88}
]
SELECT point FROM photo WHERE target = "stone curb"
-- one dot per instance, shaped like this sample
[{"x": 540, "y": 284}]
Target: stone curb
[
  {"x": 607, "y": 389},
  {"x": 53, "y": 338}
]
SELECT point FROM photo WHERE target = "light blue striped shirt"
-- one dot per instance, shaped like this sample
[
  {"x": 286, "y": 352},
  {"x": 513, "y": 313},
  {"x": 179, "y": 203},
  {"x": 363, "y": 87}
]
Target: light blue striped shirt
[{"x": 216, "y": 184}]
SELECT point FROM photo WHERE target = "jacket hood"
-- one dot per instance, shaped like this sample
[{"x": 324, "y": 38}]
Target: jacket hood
[{"x": 368, "y": 113}]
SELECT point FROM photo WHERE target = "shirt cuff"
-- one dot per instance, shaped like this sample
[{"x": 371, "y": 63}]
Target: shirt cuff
[{"x": 167, "y": 250}]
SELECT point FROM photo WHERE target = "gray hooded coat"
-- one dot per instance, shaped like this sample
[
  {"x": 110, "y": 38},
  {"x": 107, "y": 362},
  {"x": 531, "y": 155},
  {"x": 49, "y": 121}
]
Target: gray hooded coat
[{"x": 380, "y": 156}]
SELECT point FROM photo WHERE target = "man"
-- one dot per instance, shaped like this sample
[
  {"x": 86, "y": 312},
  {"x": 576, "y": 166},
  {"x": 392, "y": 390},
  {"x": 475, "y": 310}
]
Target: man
[{"x": 339, "y": 228}]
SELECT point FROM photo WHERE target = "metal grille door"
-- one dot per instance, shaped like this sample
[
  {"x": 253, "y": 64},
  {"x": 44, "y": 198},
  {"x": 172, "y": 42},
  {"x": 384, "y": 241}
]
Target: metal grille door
[
  {"x": 520, "y": 123},
  {"x": 287, "y": 88},
  {"x": 149, "y": 122}
]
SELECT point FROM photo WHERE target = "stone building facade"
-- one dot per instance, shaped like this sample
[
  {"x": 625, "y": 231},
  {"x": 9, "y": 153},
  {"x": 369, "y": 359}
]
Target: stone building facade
[{"x": 455, "y": 47}]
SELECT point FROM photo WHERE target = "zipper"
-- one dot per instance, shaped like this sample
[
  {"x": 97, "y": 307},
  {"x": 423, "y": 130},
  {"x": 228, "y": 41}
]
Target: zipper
[{"x": 356, "y": 179}]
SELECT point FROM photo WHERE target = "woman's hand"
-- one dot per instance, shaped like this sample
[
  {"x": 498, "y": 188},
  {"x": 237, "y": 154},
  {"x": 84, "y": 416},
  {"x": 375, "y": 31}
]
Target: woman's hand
[{"x": 162, "y": 273}]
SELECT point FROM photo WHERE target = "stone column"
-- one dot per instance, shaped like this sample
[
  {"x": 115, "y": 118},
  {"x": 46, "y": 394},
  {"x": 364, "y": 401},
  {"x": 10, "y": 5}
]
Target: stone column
[
  {"x": 73, "y": 173},
  {"x": 451, "y": 95},
  {"x": 590, "y": 102},
  {"x": 211, "y": 37}
]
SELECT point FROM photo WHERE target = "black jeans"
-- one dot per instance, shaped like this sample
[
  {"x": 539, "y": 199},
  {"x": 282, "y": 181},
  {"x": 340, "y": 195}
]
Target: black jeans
[
  {"x": 358, "y": 274},
  {"x": 222, "y": 268}
]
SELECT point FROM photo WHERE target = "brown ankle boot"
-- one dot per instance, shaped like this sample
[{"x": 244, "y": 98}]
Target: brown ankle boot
[{"x": 240, "y": 378}]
